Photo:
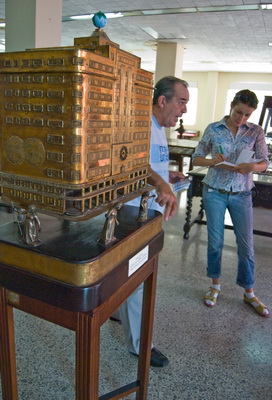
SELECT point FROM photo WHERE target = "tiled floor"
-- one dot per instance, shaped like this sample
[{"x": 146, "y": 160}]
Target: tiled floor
[{"x": 223, "y": 353}]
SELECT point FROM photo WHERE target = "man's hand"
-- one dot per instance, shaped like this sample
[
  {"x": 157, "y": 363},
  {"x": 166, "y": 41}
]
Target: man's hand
[
  {"x": 165, "y": 195},
  {"x": 176, "y": 176},
  {"x": 166, "y": 198}
]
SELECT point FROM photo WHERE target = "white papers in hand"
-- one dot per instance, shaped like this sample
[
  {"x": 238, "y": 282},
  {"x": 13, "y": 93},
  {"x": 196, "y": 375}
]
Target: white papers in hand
[{"x": 244, "y": 157}]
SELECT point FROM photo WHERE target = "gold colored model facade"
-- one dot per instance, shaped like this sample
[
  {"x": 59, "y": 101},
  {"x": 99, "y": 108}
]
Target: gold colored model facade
[{"x": 75, "y": 127}]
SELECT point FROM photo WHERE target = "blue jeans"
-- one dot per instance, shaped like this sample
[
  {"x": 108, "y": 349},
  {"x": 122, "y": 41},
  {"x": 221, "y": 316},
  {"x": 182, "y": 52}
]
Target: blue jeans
[{"x": 240, "y": 209}]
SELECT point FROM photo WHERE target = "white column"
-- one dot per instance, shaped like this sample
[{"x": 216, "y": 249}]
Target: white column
[
  {"x": 169, "y": 60},
  {"x": 211, "y": 94},
  {"x": 32, "y": 23}
]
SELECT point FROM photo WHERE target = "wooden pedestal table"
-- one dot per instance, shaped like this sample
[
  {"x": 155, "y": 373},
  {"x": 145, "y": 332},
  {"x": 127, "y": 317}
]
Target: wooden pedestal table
[
  {"x": 72, "y": 281},
  {"x": 180, "y": 149},
  {"x": 178, "y": 154}
]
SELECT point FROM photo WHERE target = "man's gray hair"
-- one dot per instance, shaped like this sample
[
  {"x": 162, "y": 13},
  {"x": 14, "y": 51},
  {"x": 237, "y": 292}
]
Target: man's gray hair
[{"x": 166, "y": 87}]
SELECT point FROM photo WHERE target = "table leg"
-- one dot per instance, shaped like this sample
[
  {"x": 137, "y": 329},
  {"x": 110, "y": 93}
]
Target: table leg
[
  {"x": 7, "y": 349},
  {"x": 187, "y": 225},
  {"x": 180, "y": 163},
  {"x": 191, "y": 163},
  {"x": 200, "y": 214},
  {"x": 87, "y": 357},
  {"x": 146, "y": 331}
]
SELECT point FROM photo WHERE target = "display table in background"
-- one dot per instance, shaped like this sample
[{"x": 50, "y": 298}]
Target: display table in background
[
  {"x": 180, "y": 149},
  {"x": 72, "y": 281},
  {"x": 189, "y": 134}
]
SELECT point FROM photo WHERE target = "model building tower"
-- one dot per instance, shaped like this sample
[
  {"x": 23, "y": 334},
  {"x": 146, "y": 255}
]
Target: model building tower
[{"x": 75, "y": 126}]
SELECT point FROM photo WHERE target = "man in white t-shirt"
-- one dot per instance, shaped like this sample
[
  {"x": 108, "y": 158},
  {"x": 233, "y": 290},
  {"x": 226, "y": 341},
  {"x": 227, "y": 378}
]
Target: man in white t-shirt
[{"x": 170, "y": 98}]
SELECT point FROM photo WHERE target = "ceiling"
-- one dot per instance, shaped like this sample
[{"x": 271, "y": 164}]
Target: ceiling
[{"x": 215, "y": 39}]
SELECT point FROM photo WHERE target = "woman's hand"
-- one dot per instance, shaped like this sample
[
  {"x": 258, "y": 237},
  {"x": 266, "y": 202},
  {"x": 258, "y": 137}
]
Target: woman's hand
[
  {"x": 209, "y": 162},
  {"x": 243, "y": 168},
  {"x": 218, "y": 159},
  {"x": 246, "y": 168}
]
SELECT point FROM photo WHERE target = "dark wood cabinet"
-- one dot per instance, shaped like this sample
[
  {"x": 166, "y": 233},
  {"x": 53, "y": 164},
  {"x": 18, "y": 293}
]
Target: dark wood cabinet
[{"x": 266, "y": 116}]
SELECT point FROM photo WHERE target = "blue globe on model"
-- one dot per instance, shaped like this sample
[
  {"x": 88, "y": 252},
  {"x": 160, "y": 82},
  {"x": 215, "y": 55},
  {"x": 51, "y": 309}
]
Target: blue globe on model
[{"x": 99, "y": 19}]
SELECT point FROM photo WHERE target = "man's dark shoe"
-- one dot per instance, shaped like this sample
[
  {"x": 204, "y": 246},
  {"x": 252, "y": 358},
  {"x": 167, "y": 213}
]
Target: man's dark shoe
[
  {"x": 157, "y": 359},
  {"x": 116, "y": 320}
]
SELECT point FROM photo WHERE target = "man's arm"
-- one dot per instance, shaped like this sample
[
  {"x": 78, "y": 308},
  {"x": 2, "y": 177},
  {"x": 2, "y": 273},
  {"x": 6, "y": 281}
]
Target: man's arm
[{"x": 165, "y": 195}]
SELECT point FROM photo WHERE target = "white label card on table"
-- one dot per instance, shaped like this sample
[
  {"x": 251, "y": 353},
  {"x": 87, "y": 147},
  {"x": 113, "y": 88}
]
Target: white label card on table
[{"x": 138, "y": 260}]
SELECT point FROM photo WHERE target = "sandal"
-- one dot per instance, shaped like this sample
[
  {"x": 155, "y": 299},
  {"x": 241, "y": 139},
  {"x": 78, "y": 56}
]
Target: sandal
[
  {"x": 211, "y": 297},
  {"x": 259, "y": 308}
]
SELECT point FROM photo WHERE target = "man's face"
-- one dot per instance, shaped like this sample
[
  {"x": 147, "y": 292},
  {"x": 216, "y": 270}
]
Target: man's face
[{"x": 176, "y": 107}]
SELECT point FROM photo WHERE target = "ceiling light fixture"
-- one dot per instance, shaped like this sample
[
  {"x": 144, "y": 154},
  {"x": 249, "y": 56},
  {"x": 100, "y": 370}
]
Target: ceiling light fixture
[
  {"x": 83, "y": 17},
  {"x": 114, "y": 15},
  {"x": 228, "y": 8},
  {"x": 182, "y": 10},
  {"x": 266, "y": 6},
  {"x": 159, "y": 36},
  {"x": 150, "y": 31},
  {"x": 169, "y": 11},
  {"x": 137, "y": 13}
]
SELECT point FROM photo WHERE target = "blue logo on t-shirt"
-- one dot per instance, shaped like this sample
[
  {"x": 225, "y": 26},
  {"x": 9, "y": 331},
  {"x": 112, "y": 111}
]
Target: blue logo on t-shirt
[{"x": 164, "y": 156}]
